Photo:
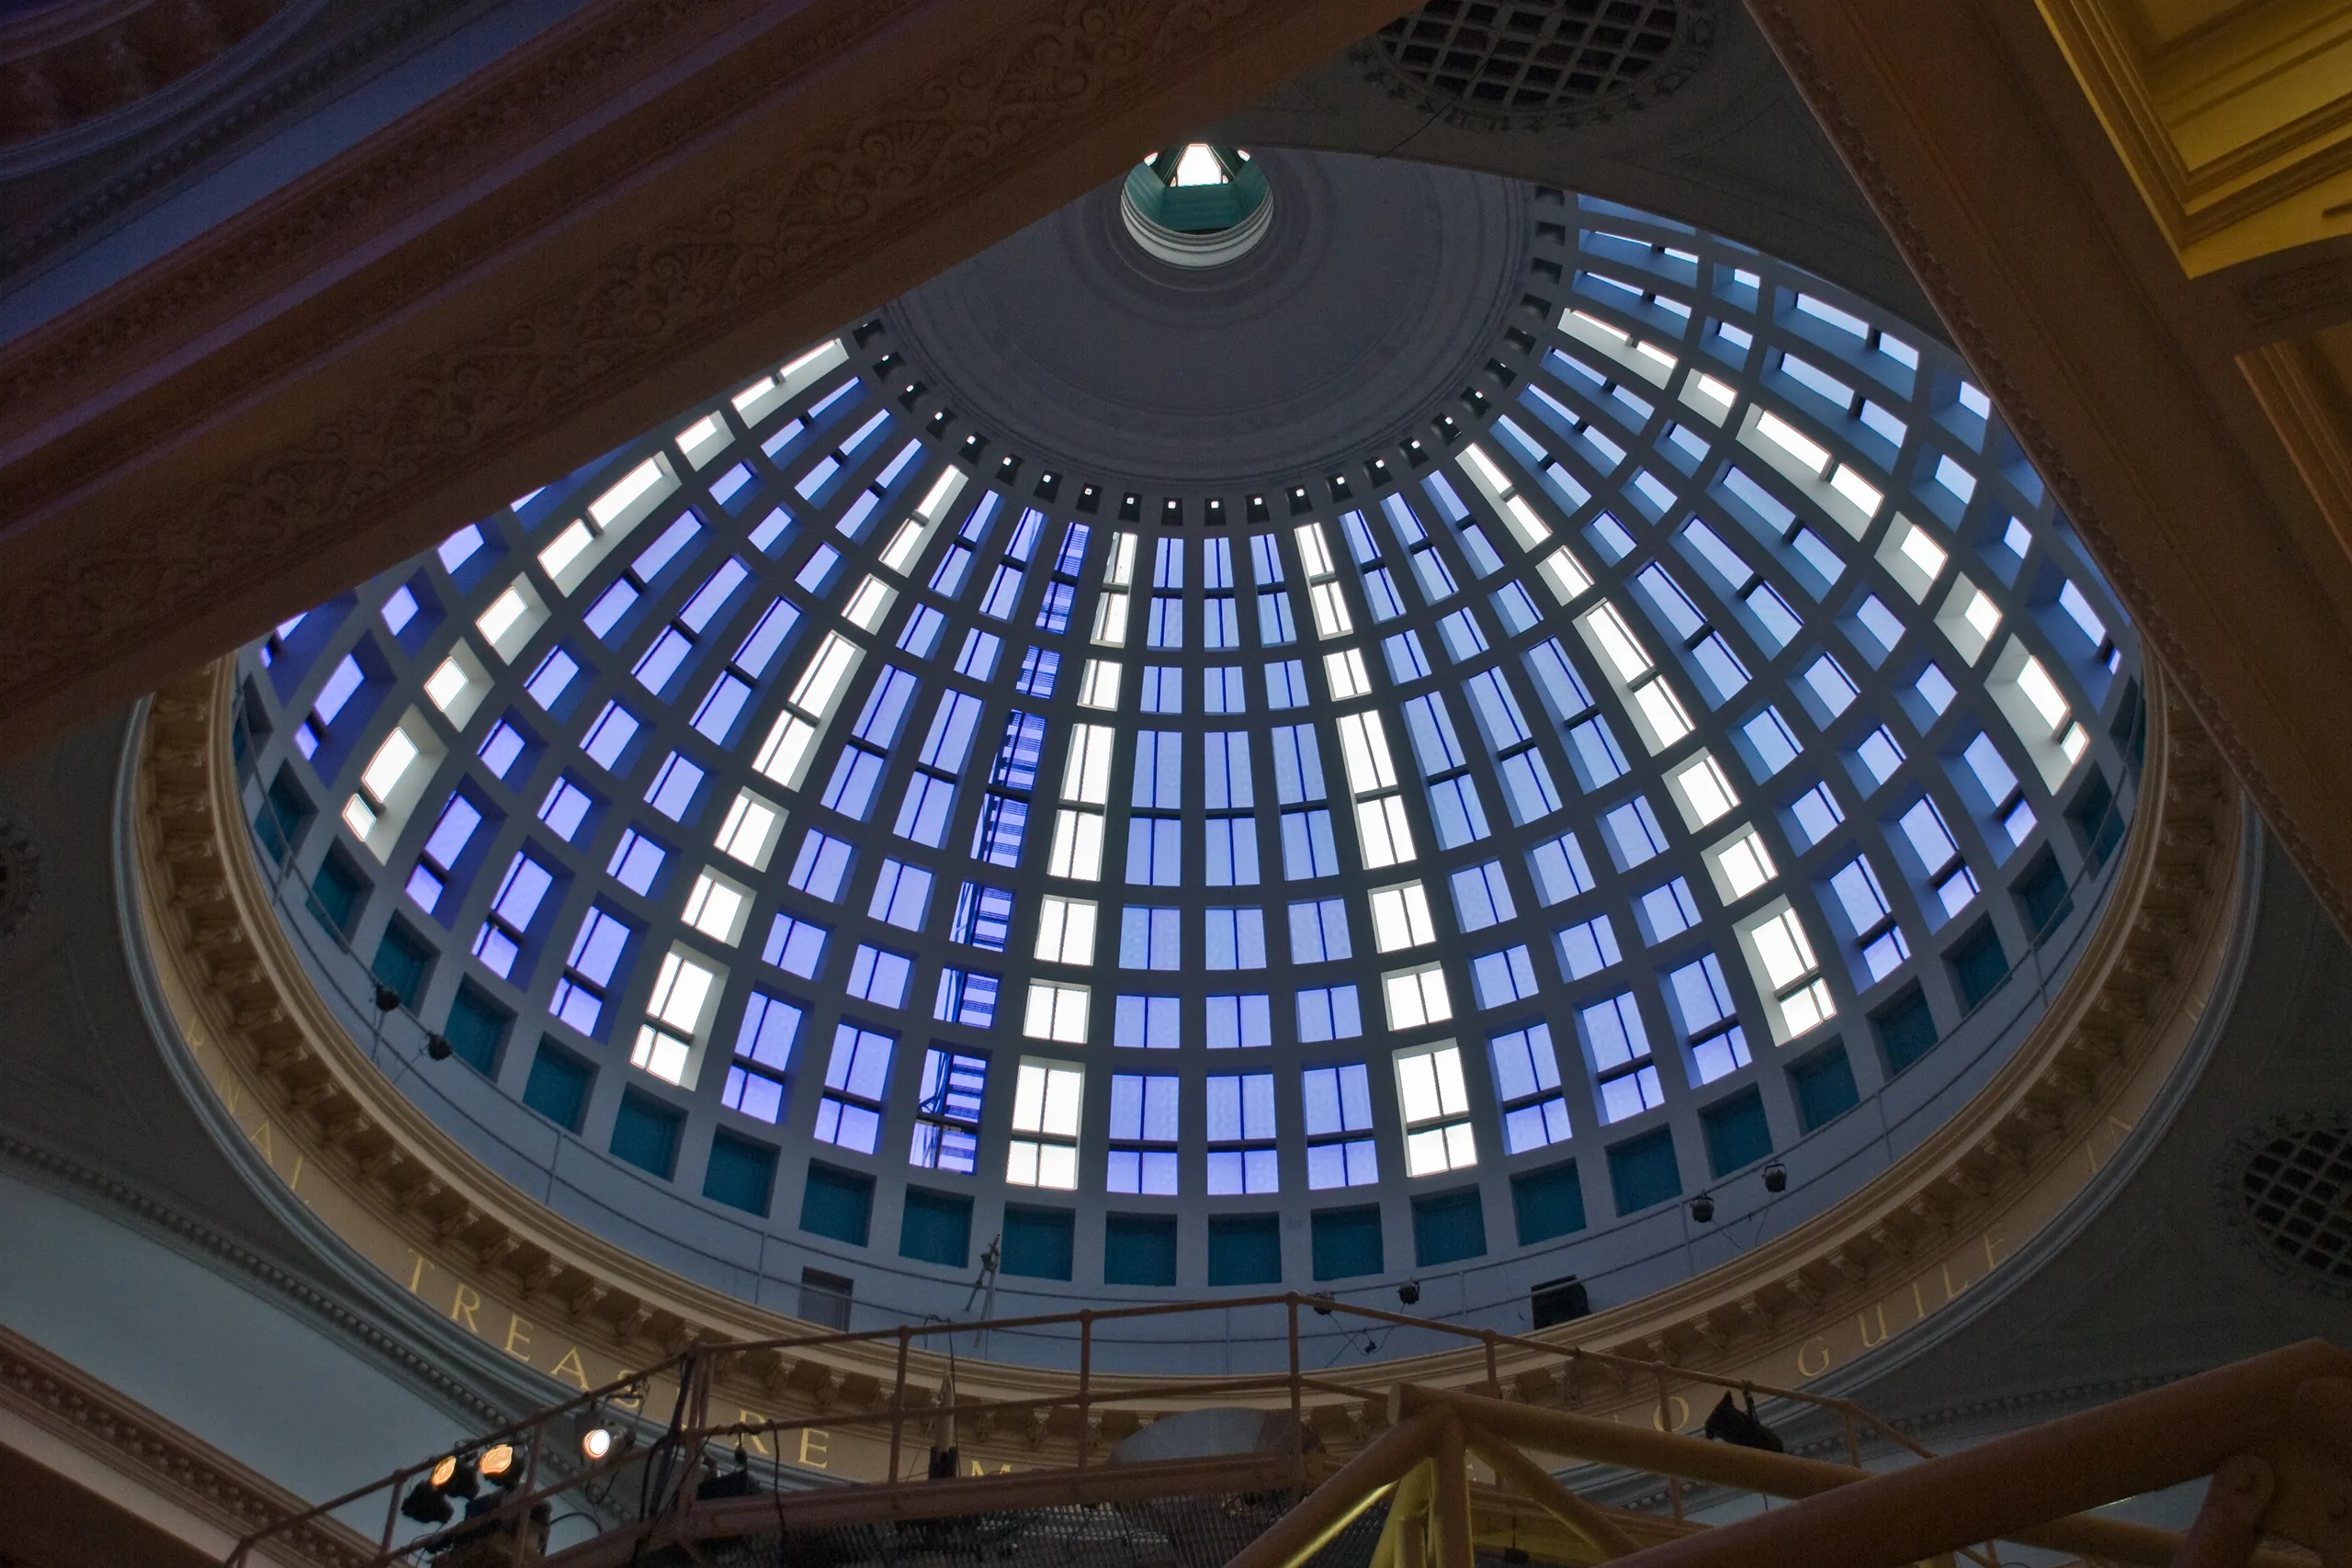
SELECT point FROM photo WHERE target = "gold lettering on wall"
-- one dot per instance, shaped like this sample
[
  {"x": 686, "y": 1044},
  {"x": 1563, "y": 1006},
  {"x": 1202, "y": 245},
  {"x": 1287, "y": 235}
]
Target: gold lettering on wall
[
  {"x": 1816, "y": 1346},
  {"x": 519, "y": 1330},
  {"x": 816, "y": 1447},
  {"x": 463, "y": 1305},
  {"x": 1862, "y": 1325},
  {"x": 756, "y": 1441},
  {"x": 1676, "y": 1409},
  {"x": 570, "y": 1367}
]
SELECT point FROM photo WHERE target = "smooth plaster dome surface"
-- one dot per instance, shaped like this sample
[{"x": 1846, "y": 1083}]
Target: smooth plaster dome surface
[
  {"x": 1376, "y": 291},
  {"x": 1572, "y": 562}
]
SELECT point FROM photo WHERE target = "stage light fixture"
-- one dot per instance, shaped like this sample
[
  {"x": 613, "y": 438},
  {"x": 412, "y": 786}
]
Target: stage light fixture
[
  {"x": 498, "y": 1466},
  {"x": 1728, "y": 1423},
  {"x": 455, "y": 1476},
  {"x": 387, "y": 999},
  {"x": 1323, "y": 1301},
  {"x": 439, "y": 1048},
  {"x": 596, "y": 1443},
  {"x": 1410, "y": 1292},
  {"x": 1703, "y": 1208},
  {"x": 425, "y": 1505},
  {"x": 1776, "y": 1178}
]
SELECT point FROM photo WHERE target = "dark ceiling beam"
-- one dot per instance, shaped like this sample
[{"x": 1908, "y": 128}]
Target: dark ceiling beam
[
  {"x": 655, "y": 200},
  {"x": 2118, "y": 374}
]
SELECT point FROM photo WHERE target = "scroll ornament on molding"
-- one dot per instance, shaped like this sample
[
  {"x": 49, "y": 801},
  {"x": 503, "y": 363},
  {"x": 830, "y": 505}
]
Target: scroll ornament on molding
[{"x": 1928, "y": 1230}]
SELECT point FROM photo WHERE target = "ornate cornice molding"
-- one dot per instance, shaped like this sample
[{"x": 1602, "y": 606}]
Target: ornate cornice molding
[
  {"x": 1938, "y": 1225},
  {"x": 217, "y": 1251},
  {"x": 150, "y": 1454},
  {"x": 2266, "y": 189},
  {"x": 66, "y": 66},
  {"x": 232, "y": 100},
  {"x": 443, "y": 317}
]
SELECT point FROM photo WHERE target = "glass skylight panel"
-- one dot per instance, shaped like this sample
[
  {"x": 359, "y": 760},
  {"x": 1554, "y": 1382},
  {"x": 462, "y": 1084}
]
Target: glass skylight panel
[
  {"x": 1968, "y": 617},
  {"x": 1285, "y": 684},
  {"x": 1416, "y": 997},
  {"x": 1044, "y": 1148},
  {"x": 901, "y": 896},
  {"x": 1147, "y": 1024},
  {"x": 857, "y": 1077},
  {"x": 513, "y": 909},
  {"x": 1240, "y": 1121},
  {"x": 453, "y": 830},
  {"x": 717, "y": 906},
  {"x": 589, "y": 969},
  {"x": 1148, "y": 938},
  {"x": 1781, "y": 957},
  {"x": 1934, "y": 689},
  {"x": 1633, "y": 833},
  {"x": 1318, "y": 932},
  {"x": 1328, "y": 1013},
  {"x": 1337, "y": 1102},
  {"x": 878, "y": 975},
  {"x": 756, "y": 1081},
  {"x": 1240, "y": 1022},
  {"x": 1675, "y": 628},
  {"x": 683, "y": 994},
  {"x": 1056, "y": 1012},
  {"x": 636, "y": 862},
  {"x": 1816, "y": 815},
  {"x": 1587, "y": 948},
  {"x": 1666, "y": 911},
  {"x": 1481, "y": 897},
  {"x": 947, "y": 1112},
  {"x": 1527, "y": 1083},
  {"x": 1742, "y": 863},
  {"x": 1434, "y": 1102},
  {"x": 1065, "y": 930},
  {"x": 1144, "y": 1121},
  {"x": 822, "y": 865},
  {"x": 1702, "y": 790},
  {"x": 1163, "y": 690},
  {"x": 1559, "y": 868},
  {"x": 966, "y": 997},
  {"x": 1236, "y": 939},
  {"x": 796, "y": 946},
  {"x": 1400, "y": 918},
  {"x": 1878, "y": 756},
  {"x": 1499, "y": 979}
]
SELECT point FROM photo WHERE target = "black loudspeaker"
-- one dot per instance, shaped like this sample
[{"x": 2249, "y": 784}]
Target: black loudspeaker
[
  {"x": 1559, "y": 1301},
  {"x": 943, "y": 1462}
]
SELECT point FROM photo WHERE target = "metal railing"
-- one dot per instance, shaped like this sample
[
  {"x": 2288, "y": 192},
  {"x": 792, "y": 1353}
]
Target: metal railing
[{"x": 550, "y": 1466}]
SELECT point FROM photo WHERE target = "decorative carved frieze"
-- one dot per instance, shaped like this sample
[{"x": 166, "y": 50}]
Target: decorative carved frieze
[
  {"x": 832, "y": 154},
  {"x": 1921, "y": 1236},
  {"x": 153, "y": 1456}
]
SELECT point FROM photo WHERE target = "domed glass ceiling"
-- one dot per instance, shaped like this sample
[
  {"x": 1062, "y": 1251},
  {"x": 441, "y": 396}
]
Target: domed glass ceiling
[{"x": 831, "y": 839}]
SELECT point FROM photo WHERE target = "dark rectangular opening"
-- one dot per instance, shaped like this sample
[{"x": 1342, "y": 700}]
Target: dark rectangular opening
[
  {"x": 741, "y": 1174},
  {"x": 1559, "y": 1301},
  {"x": 824, "y": 1299},
  {"x": 1978, "y": 965},
  {"x": 1823, "y": 1083}
]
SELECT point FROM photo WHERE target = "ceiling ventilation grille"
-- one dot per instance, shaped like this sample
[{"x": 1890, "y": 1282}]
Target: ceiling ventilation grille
[
  {"x": 1491, "y": 65},
  {"x": 2296, "y": 1188}
]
